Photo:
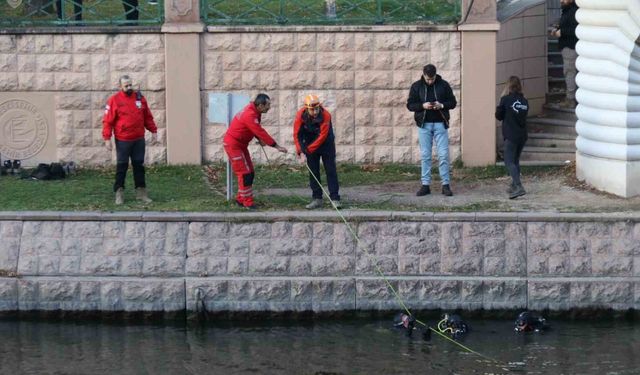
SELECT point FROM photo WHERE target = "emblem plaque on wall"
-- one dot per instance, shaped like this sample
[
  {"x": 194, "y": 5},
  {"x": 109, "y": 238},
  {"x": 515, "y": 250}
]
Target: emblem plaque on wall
[{"x": 23, "y": 130}]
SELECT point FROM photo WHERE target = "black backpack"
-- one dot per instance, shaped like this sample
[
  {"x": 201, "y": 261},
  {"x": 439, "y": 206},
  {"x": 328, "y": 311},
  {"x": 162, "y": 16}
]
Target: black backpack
[
  {"x": 43, "y": 172},
  {"x": 56, "y": 171}
]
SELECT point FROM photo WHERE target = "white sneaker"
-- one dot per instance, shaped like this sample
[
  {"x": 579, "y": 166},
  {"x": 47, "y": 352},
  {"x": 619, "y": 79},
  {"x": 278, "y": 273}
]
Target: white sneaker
[
  {"x": 316, "y": 203},
  {"x": 120, "y": 196},
  {"x": 337, "y": 204}
]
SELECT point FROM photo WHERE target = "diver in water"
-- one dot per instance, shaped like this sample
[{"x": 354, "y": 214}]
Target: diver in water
[
  {"x": 453, "y": 325},
  {"x": 530, "y": 322},
  {"x": 408, "y": 322}
]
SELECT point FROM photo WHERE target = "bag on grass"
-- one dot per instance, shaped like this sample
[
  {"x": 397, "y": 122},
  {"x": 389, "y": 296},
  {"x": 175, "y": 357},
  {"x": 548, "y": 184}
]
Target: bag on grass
[{"x": 42, "y": 172}]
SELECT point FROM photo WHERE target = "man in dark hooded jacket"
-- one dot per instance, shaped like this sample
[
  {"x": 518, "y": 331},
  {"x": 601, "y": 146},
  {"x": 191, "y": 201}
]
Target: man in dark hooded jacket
[
  {"x": 431, "y": 98},
  {"x": 567, "y": 39}
]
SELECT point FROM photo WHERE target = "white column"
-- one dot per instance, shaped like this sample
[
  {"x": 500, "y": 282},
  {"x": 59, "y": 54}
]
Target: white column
[{"x": 608, "y": 127}]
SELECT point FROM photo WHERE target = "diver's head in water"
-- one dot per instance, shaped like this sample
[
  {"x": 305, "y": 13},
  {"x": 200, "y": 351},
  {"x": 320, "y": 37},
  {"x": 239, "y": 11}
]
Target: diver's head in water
[{"x": 529, "y": 322}]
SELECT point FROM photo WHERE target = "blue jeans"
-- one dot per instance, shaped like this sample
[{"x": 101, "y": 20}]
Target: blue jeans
[{"x": 426, "y": 134}]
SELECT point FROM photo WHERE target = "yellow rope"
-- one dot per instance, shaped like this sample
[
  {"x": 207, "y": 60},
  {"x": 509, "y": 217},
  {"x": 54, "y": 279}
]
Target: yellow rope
[{"x": 384, "y": 277}]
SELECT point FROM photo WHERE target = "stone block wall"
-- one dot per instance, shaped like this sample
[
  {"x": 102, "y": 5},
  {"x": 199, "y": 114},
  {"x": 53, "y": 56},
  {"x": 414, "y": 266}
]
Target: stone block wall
[
  {"x": 362, "y": 77},
  {"x": 81, "y": 71},
  {"x": 286, "y": 262},
  {"x": 522, "y": 51}
]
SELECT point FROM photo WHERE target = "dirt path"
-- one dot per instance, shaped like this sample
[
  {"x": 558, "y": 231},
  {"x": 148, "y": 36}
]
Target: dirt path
[{"x": 544, "y": 193}]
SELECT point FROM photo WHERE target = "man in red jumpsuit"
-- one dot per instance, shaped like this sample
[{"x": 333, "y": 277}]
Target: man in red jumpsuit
[
  {"x": 126, "y": 116},
  {"x": 244, "y": 127}
]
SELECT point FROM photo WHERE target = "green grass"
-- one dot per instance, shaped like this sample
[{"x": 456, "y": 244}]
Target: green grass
[
  {"x": 95, "y": 12},
  {"x": 190, "y": 188},
  {"x": 177, "y": 188}
]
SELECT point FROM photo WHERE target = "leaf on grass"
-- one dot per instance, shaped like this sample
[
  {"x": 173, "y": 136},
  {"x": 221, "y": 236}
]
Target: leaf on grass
[
  {"x": 214, "y": 177},
  {"x": 370, "y": 168}
]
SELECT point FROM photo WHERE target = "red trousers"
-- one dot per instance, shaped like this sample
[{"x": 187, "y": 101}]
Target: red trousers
[{"x": 243, "y": 168}]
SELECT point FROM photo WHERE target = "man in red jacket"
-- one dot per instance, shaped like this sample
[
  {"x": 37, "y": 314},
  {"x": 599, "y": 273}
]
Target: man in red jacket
[
  {"x": 244, "y": 127},
  {"x": 314, "y": 139},
  {"x": 127, "y": 115}
]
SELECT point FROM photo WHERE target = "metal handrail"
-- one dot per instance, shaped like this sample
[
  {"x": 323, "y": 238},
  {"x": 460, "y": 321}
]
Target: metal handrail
[{"x": 329, "y": 12}]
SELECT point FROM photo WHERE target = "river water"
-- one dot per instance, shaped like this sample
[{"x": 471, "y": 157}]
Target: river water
[{"x": 322, "y": 347}]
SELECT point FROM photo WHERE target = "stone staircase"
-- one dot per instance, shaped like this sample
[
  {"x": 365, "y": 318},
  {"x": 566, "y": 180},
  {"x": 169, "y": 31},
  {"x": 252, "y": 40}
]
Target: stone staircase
[{"x": 552, "y": 135}]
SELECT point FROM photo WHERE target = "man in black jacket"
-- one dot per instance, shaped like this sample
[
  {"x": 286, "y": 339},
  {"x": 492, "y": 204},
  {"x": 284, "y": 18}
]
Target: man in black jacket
[
  {"x": 567, "y": 39},
  {"x": 431, "y": 98}
]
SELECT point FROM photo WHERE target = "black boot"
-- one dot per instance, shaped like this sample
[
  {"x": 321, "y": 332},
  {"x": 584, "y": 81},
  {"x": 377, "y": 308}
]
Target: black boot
[
  {"x": 510, "y": 189},
  {"x": 424, "y": 190},
  {"x": 446, "y": 190},
  {"x": 517, "y": 191}
]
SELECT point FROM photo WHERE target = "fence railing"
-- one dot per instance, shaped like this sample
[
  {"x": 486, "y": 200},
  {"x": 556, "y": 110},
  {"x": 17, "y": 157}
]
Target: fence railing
[
  {"x": 26, "y": 13},
  {"x": 329, "y": 12},
  {"x": 29, "y": 13}
]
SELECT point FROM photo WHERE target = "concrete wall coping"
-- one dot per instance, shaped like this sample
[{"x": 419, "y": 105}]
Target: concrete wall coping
[
  {"x": 155, "y": 29},
  {"x": 488, "y": 26},
  {"x": 275, "y": 216},
  {"x": 331, "y": 28}
]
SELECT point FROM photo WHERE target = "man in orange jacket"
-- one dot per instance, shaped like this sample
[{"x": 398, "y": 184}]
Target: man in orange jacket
[
  {"x": 126, "y": 116},
  {"x": 244, "y": 127},
  {"x": 314, "y": 139}
]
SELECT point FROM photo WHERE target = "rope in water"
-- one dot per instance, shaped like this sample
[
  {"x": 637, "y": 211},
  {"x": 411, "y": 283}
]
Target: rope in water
[{"x": 384, "y": 277}]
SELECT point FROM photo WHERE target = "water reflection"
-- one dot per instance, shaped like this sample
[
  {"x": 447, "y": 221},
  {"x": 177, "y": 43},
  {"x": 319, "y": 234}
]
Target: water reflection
[{"x": 345, "y": 347}]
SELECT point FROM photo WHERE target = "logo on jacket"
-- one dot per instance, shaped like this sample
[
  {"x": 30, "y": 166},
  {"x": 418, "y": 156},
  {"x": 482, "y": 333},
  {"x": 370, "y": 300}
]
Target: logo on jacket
[{"x": 517, "y": 106}]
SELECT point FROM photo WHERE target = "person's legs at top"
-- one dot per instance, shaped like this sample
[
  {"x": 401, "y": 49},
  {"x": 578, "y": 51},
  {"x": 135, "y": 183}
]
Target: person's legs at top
[
  {"x": 130, "y": 9},
  {"x": 77, "y": 9}
]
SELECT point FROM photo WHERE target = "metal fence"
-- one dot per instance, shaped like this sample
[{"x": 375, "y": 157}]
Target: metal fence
[
  {"x": 26, "y": 13},
  {"x": 329, "y": 12}
]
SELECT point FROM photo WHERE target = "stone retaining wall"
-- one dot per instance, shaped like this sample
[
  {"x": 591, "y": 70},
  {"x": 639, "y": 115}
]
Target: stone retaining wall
[
  {"x": 78, "y": 72},
  {"x": 363, "y": 78},
  {"x": 288, "y": 261}
]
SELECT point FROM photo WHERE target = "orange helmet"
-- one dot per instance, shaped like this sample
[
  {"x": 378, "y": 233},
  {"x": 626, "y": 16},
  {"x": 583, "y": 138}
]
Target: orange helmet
[{"x": 311, "y": 101}]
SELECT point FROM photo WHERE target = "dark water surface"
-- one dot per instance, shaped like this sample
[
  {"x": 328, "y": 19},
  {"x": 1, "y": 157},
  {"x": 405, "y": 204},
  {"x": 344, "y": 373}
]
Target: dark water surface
[{"x": 325, "y": 347}]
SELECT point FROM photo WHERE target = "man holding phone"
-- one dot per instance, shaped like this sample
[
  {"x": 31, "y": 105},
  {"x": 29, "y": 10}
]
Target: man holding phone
[{"x": 430, "y": 99}]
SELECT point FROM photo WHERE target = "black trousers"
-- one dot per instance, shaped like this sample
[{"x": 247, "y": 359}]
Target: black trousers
[
  {"x": 512, "y": 151},
  {"x": 328, "y": 155},
  {"x": 77, "y": 9},
  {"x": 130, "y": 9},
  {"x": 133, "y": 150}
]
